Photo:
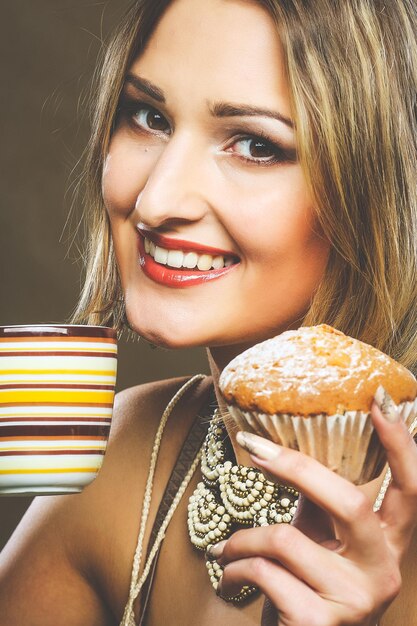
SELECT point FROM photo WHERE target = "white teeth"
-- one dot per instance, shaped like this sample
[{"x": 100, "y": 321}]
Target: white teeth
[
  {"x": 204, "y": 262},
  {"x": 190, "y": 260},
  {"x": 175, "y": 258},
  {"x": 161, "y": 255},
  {"x": 218, "y": 263}
]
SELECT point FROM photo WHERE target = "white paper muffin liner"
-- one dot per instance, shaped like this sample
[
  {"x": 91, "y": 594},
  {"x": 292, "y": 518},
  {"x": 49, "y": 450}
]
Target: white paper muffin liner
[{"x": 347, "y": 443}]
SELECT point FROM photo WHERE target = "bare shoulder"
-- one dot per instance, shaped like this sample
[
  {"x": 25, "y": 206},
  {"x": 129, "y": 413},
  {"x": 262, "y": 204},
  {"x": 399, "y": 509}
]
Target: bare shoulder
[{"x": 85, "y": 542}]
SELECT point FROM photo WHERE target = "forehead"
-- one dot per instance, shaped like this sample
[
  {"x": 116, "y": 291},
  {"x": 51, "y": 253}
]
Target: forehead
[{"x": 217, "y": 50}]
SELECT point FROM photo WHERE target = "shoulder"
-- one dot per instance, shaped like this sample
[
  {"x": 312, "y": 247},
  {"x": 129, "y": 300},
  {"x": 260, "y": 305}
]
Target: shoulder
[
  {"x": 93, "y": 534},
  {"x": 113, "y": 501}
]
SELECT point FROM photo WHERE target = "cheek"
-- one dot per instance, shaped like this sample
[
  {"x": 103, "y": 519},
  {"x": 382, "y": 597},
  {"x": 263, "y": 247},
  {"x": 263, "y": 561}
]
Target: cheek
[
  {"x": 276, "y": 218},
  {"x": 125, "y": 173}
]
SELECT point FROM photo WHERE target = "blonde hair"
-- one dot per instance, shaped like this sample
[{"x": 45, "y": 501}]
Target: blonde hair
[{"x": 352, "y": 70}]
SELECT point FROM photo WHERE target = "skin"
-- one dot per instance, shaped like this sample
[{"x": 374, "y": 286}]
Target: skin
[{"x": 70, "y": 559}]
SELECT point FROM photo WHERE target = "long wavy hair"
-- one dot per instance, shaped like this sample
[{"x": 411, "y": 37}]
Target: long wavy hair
[{"x": 352, "y": 71}]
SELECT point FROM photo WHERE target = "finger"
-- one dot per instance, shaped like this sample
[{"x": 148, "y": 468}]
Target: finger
[
  {"x": 295, "y": 601},
  {"x": 348, "y": 505},
  {"x": 285, "y": 544},
  {"x": 400, "y": 448}
]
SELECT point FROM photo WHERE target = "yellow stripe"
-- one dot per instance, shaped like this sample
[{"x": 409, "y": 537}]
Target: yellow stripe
[
  {"x": 53, "y": 395},
  {"x": 76, "y": 372},
  {"x": 50, "y": 471}
]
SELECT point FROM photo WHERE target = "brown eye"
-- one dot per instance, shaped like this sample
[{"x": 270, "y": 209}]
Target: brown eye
[
  {"x": 259, "y": 149},
  {"x": 151, "y": 119}
]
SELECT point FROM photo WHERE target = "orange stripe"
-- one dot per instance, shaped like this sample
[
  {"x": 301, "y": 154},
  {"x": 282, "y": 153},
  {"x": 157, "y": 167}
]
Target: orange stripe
[
  {"x": 53, "y": 438},
  {"x": 53, "y": 338},
  {"x": 102, "y": 405}
]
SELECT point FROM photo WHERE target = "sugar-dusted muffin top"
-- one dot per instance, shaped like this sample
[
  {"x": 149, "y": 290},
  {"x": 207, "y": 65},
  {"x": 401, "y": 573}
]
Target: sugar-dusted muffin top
[{"x": 313, "y": 370}]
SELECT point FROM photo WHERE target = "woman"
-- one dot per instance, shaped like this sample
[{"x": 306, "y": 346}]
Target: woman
[{"x": 252, "y": 169}]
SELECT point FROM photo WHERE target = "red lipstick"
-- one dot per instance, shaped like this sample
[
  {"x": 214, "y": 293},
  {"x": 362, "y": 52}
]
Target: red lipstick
[
  {"x": 172, "y": 277},
  {"x": 180, "y": 244}
]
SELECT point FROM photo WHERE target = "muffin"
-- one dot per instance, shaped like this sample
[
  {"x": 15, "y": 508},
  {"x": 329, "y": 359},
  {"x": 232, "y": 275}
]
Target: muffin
[{"x": 311, "y": 390}]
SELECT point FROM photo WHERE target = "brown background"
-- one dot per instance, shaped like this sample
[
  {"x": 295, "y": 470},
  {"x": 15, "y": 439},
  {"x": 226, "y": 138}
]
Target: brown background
[{"x": 48, "y": 50}]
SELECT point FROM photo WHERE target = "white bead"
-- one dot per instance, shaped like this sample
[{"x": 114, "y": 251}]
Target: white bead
[
  {"x": 256, "y": 506},
  {"x": 222, "y": 526},
  {"x": 251, "y": 475},
  {"x": 263, "y": 502},
  {"x": 286, "y": 518},
  {"x": 255, "y": 493},
  {"x": 285, "y": 502},
  {"x": 267, "y": 497},
  {"x": 269, "y": 489},
  {"x": 258, "y": 485}
]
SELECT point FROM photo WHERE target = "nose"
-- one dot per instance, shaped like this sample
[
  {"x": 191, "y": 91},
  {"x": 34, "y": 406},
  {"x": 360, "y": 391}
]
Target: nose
[{"x": 174, "y": 192}]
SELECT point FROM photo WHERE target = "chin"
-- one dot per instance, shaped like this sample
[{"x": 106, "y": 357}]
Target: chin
[{"x": 165, "y": 337}]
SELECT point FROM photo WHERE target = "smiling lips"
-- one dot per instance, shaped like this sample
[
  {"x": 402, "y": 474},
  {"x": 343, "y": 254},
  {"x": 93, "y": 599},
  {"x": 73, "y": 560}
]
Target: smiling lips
[{"x": 178, "y": 263}]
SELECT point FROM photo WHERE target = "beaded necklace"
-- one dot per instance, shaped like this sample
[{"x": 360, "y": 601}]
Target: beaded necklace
[{"x": 231, "y": 497}]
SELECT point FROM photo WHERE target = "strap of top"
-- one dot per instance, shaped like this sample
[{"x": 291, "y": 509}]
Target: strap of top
[{"x": 191, "y": 446}]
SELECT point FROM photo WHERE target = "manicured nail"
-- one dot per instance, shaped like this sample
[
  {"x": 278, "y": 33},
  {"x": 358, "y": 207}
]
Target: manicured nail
[
  {"x": 258, "y": 446},
  {"x": 386, "y": 405},
  {"x": 215, "y": 550}
]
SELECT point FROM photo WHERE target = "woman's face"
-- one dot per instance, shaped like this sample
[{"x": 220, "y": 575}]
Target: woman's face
[{"x": 202, "y": 171}]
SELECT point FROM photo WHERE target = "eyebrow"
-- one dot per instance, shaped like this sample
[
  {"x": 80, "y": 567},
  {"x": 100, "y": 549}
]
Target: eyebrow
[
  {"x": 226, "y": 109},
  {"x": 146, "y": 86},
  {"x": 217, "y": 109}
]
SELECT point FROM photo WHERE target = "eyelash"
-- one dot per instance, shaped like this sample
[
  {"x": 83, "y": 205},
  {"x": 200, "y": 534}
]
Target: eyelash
[{"x": 128, "y": 108}]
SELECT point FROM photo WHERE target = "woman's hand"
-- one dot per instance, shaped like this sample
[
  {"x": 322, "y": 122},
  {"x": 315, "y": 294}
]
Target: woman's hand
[{"x": 347, "y": 570}]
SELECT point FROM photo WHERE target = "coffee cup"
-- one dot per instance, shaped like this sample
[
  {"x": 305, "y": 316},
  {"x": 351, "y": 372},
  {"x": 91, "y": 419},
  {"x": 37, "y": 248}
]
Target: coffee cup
[{"x": 57, "y": 385}]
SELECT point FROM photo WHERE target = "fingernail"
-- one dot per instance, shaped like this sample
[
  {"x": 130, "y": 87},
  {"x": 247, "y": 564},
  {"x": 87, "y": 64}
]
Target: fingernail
[
  {"x": 258, "y": 446},
  {"x": 215, "y": 550},
  {"x": 386, "y": 405}
]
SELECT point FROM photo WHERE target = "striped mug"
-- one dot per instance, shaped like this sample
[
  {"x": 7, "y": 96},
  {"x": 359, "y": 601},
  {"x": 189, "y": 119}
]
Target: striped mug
[{"x": 56, "y": 399}]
